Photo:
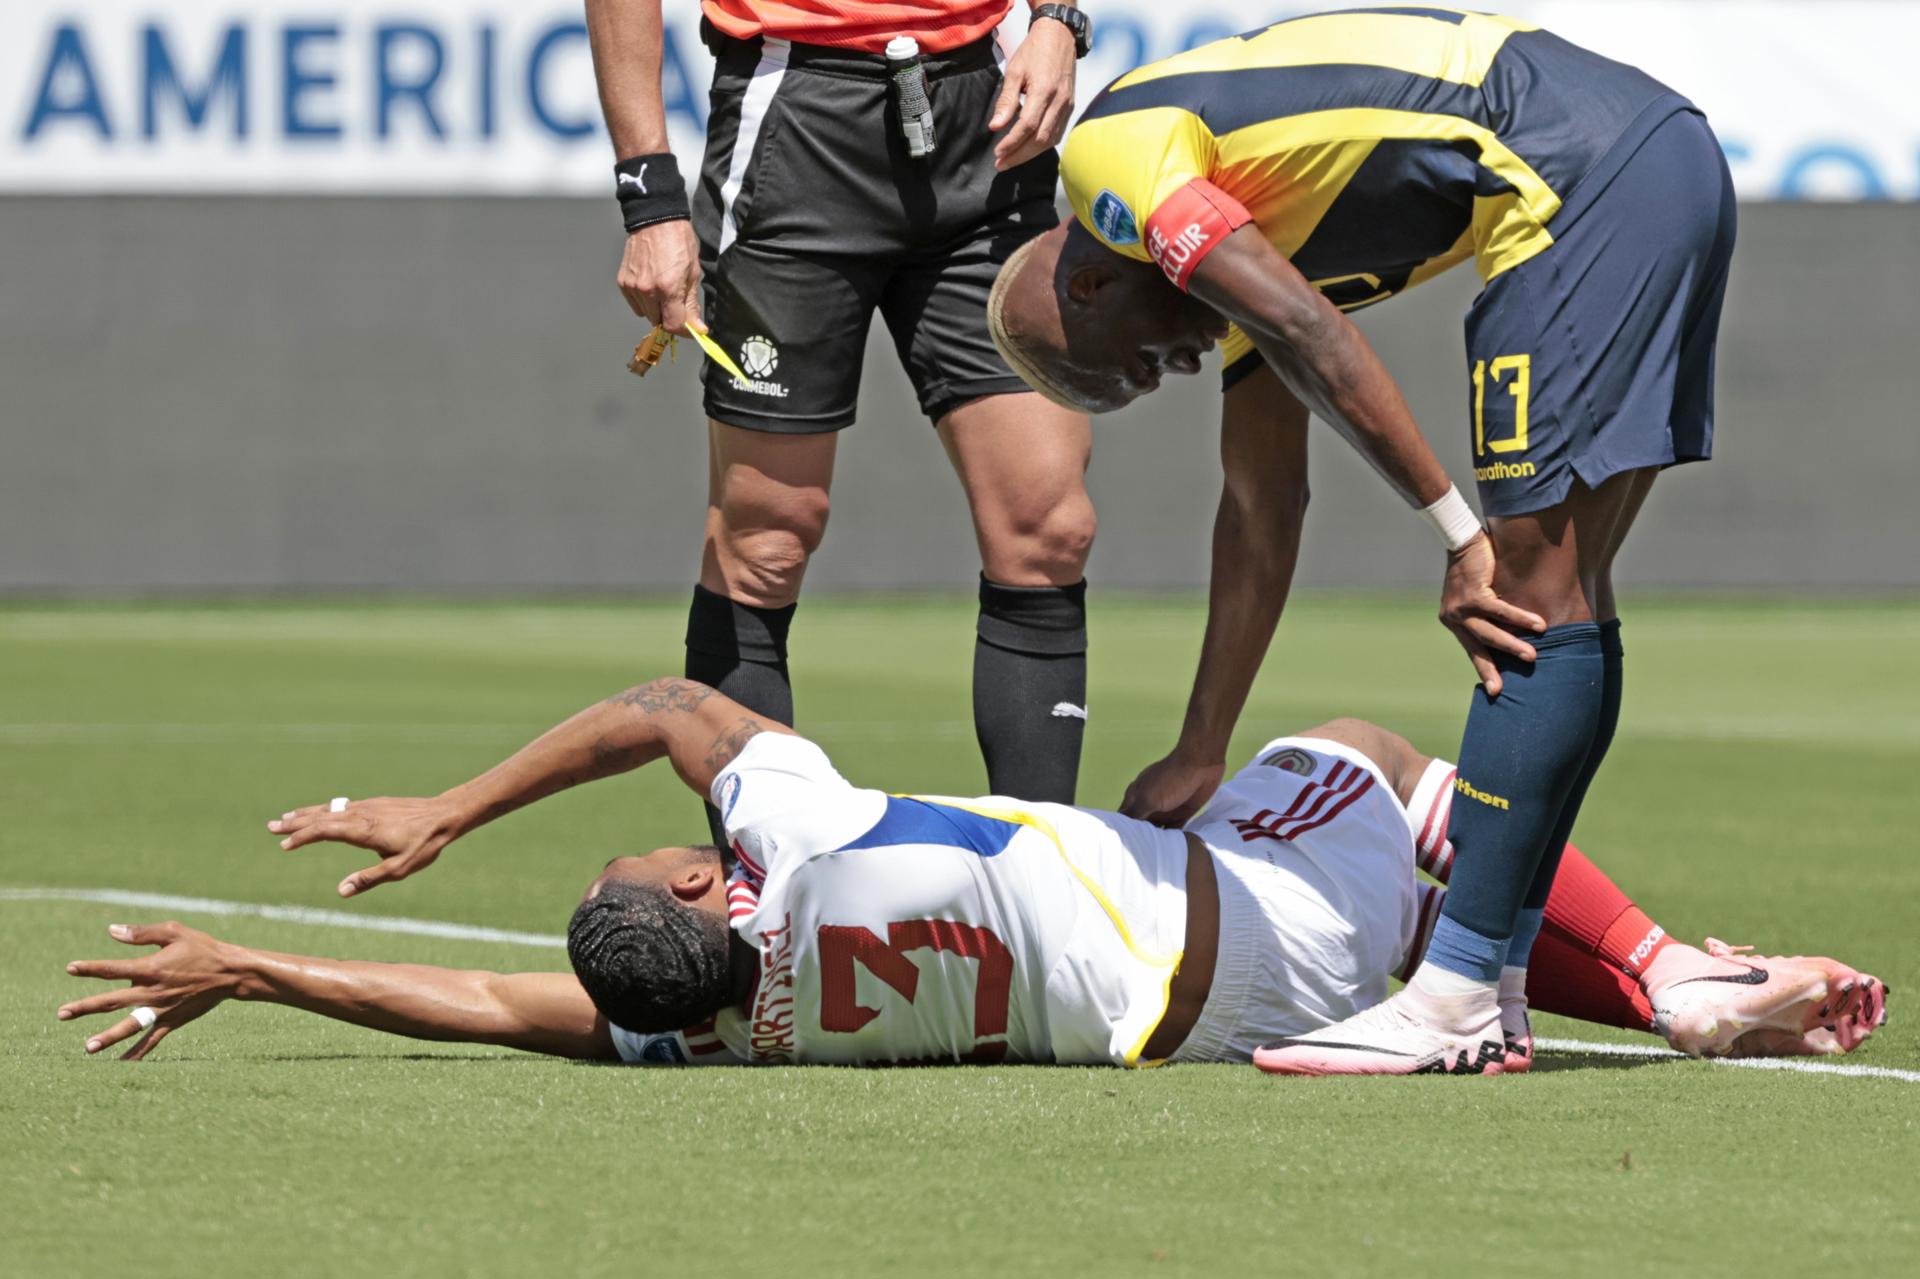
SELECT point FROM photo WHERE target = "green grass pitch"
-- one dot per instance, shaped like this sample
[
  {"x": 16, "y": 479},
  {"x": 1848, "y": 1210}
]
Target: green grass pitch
[{"x": 1762, "y": 788}]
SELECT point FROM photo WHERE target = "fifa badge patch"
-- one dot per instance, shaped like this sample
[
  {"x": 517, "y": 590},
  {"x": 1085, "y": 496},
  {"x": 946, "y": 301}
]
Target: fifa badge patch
[
  {"x": 1113, "y": 220},
  {"x": 1292, "y": 760},
  {"x": 729, "y": 795}
]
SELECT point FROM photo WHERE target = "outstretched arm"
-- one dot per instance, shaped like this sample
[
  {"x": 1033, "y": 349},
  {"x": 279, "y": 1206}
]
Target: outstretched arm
[
  {"x": 1330, "y": 366},
  {"x": 697, "y": 729},
  {"x": 192, "y": 973},
  {"x": 1256, "y": 540}
]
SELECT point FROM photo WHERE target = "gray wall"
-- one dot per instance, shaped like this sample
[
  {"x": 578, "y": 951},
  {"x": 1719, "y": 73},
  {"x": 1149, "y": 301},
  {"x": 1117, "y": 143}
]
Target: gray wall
[{"x": 314, "y": 393}]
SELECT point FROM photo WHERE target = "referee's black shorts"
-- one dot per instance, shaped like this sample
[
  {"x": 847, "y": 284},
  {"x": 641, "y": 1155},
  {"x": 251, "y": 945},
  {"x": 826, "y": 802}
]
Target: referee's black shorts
[{"x": 810, "y": 214}]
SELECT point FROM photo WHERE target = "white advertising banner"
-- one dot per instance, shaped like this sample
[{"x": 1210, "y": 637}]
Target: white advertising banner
[{"x": 1812, "y": 99}]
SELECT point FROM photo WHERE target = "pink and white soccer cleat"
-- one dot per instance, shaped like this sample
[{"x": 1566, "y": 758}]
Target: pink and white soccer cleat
[
  {"x": 1390, "y": 1038},
  {"x": 1713, "y": 1003},
  {"x": 1858, "y": 1007}
]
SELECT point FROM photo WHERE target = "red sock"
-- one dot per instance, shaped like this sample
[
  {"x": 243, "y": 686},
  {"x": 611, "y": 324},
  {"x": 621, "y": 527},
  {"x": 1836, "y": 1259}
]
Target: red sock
[
  {"x": 1589, "y": 910},
  {"x": 1565, "y": 979}
]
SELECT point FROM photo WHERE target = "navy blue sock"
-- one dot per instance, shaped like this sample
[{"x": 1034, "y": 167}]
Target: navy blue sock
[
  {"x": 740, "y": 649},
  {"x": 1520, "y": 758},
  {"x": 1612, "y": 671}
]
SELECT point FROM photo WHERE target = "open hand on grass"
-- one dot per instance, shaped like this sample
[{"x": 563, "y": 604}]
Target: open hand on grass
[
  {"x": 186, "y": 978},
  {"x": 407, "y": 833}
]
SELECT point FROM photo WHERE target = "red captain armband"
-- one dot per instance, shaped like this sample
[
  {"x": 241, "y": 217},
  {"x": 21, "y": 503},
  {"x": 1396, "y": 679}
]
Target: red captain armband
[{"x": 1189, "y": 224}]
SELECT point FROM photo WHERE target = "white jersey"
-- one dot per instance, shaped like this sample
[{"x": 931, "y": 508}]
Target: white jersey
[{"x": 910, "y": 929}]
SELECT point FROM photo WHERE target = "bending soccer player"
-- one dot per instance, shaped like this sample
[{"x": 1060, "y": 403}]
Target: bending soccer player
[
  {"x": 852, "y": 926},
  {"x": 1256, "y": 188}
]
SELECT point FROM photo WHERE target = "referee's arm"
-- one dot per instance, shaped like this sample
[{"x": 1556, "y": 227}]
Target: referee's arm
[
  {"x": 660, "y": 270},
  {"x": 1036, "y": 93}
]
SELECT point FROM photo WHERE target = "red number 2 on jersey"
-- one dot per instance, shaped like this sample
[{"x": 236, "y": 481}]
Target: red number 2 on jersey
[{"x": 841, "y": 1011}]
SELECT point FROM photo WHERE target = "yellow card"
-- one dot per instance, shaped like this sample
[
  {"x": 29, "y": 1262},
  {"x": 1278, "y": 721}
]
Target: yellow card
[{"x": 714, "y": 353}]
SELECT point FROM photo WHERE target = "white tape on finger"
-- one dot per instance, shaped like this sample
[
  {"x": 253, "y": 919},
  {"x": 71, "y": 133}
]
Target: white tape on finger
[
  {"x": 339, "y": 804},
  {"x": 145, "y": 1016}
]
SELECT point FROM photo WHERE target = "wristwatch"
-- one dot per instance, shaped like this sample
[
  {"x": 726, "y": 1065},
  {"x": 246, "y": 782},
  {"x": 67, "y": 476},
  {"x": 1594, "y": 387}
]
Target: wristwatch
[{"x": 1077, "y": 22}]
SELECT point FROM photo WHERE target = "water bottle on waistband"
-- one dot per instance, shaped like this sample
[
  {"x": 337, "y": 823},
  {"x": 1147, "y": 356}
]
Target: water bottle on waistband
[{"x": 910, "y": 94}]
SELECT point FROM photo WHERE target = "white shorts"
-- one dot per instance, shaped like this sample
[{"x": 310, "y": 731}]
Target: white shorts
[{"x": 1314, "y": 860}]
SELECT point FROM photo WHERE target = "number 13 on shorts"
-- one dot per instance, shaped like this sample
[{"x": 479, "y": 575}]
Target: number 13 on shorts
[{"x": 1514, "y": 373}]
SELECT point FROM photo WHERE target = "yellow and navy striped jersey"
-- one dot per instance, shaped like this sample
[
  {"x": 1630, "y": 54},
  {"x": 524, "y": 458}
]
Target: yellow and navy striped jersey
[{"x": 1374, "y": 148}]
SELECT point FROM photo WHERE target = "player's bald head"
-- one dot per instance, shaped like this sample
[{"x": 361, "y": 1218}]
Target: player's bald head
[
  {"x": 1087, "y": 328},
  {"x": 1024, "y": 318}
]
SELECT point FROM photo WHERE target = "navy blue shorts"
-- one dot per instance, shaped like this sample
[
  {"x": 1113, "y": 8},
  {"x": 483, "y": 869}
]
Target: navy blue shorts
[{"x": 1596, "y": 356}]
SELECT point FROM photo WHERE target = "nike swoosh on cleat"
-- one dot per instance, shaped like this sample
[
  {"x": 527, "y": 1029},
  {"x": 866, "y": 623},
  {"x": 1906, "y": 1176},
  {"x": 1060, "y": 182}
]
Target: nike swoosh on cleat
[
  {"x": 1752, "y": 977},
  {"x": 1323, "y": 1043}
]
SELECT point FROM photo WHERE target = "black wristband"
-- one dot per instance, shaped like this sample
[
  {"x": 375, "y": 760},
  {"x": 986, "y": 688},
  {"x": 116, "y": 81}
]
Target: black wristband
[{"x": 650, "y": 189}]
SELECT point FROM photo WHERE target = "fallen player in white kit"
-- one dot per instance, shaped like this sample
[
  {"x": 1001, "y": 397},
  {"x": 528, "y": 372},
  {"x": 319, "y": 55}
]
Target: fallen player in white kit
[{"x": 847, "y": 925}]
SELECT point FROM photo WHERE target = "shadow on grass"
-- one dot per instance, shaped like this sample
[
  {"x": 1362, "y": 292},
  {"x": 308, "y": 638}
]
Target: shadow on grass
[
  {"x": 493, "y": 1058},
  {"x": 1551, "y": 1061}
]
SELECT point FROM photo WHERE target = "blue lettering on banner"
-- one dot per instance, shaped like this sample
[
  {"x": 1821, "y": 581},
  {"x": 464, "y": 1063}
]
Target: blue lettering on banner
[
  {"x": 418, "y": 88},
  {"x": 1831, "y": 155},
  {"x": 444, "y": 74},
  {"x": 555, "y": 35},
  {"x": 67, "y": 62},
  {"x": 686, "y": 98},
  {"x": 486, "y": 79},
  {"x": 1204, "y": 32},
  {"x": 298, "y": 82},
  {"x": 161, "y": 75},
  {"x": 1117, "y": 28}
]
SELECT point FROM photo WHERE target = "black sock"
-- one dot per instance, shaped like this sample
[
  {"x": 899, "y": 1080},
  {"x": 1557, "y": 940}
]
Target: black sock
[
  {"x": 1520, "y": 759},
  {"x": 1030, "y": 688},
  {"x": 742, "y": 651}
]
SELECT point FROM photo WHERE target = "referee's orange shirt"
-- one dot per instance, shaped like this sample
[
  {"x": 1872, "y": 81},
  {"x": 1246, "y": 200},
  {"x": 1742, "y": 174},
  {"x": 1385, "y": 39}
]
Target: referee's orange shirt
[{"x": 853, "y": 24}]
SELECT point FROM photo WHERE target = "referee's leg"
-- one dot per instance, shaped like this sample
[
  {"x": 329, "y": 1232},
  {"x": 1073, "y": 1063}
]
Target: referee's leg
[
  {"x": 1023, "y": 463},
  {"x": 767, "y": 503}
]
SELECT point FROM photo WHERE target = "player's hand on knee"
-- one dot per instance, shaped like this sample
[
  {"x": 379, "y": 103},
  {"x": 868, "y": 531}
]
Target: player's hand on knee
[
  {"x": 186, "y": 978},
  {"x": 408, "y": 834},
  {"x": 1040, "y": 72},
  {"x": 1482, "y": 621},
  {"x": 660, "y": 274},
  {"x": 1171, "y": 790}
]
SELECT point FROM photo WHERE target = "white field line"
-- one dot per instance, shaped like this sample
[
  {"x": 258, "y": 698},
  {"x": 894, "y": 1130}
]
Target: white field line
[
  {"x": 1799, "y": 1065},
  {"x": 167, "y": 902}
]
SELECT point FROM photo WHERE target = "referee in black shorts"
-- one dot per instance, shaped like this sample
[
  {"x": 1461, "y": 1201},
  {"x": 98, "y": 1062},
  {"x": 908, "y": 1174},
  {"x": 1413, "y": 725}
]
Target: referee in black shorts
[{"x": 819, "y": 203}]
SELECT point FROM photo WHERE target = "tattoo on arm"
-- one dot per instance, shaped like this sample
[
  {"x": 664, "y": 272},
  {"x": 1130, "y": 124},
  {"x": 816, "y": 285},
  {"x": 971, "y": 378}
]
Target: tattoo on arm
[
  {"x": 660, "y": 695},
  {"x": 731, "y": 742}
]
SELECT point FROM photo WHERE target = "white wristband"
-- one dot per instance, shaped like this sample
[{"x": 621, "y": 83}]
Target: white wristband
[{"x": 1453, "y": 519}]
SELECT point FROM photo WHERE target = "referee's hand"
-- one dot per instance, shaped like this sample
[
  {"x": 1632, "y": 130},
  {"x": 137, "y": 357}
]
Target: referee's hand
[
  {"x": 1038, "y": 88},
  {"x": 660, "y": 273}
]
